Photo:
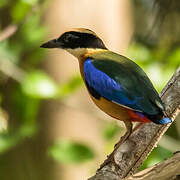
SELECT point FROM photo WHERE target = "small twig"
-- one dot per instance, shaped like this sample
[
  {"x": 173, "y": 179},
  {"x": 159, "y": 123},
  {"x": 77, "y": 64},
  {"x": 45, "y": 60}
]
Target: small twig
[
  {"x": 11, "y": 70},
  {"x": 8, "y": 32},
  {"x": 132, "y": 153}
]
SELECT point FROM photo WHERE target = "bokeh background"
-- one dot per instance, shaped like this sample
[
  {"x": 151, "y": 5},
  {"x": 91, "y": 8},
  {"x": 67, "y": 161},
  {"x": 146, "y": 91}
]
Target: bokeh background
[{"x": 49, "y": 128}]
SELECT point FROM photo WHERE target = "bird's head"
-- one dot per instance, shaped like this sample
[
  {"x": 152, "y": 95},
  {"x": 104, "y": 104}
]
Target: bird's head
[{"x": 76, "y": 41}]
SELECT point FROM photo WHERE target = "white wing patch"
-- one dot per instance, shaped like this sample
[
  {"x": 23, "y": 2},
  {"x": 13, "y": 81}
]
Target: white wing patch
[
  {"x": 159, "y": 104},
  {"x": 126, "y": 106}
]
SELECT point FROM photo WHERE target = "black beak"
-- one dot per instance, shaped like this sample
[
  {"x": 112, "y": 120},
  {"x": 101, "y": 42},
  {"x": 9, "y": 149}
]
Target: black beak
[{"x": 52, "y": 44}]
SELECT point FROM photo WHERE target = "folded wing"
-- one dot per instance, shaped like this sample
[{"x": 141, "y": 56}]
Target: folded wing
[{"x": 122, "y": 85}]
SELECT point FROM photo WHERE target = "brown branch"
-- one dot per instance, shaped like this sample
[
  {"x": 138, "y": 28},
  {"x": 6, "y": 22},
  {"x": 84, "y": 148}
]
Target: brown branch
[
  {"x": 166, "y": 170},
  {"x": 131, "y": 154},
  {"x": 8, "y": 32},
  {"x": 11, "y": 70},
  {"x": 12, "y": 28}
]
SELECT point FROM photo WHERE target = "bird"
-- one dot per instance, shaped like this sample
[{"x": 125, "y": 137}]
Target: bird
[{"x": 116, "y": 84}]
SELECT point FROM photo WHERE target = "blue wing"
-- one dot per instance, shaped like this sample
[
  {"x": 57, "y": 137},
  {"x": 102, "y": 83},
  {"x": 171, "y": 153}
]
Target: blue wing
[
  {"x": 119, "y": 91},
  {"x": 100, "y": 84},
  {"x": 125, "y": 88}
]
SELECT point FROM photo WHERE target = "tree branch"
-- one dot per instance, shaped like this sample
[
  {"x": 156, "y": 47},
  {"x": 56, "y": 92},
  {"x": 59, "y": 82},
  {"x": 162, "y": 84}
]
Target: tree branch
[
  {"x": 8, "y": 32},
  {"x": 167, "y": 170},
  {"x": 131, "y": 154},
  {"x": 11, "y": 70}
]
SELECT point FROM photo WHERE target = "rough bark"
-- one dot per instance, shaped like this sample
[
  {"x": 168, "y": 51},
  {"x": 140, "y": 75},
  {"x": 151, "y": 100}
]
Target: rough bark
[{"x": 131, "y": 154}]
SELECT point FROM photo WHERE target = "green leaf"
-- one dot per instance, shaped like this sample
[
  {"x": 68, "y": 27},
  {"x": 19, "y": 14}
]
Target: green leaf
[
  {"x": 159, "y": 76},
  {"x": 157, "y": 155},
  {"x": 3, "y": 3},
  {"x": 9, "y": 140},
  {"x": 73, "y": 84},
  {"x": 7, "y": 53},
  {"x": 19, "y": 11},
  {"x": 110, "y": 131},
  {"x": 30, "y": 2},
  {"x": 32, "y": 32},
  {"x": 174, "y": 58},
  {"x": 28, "y": 129},
  {"x": 6, "y": 142},
  {"x": 67, "y": 151},
  {"x": 37, "y": 84},
  {"x": 139, "y": 52}
]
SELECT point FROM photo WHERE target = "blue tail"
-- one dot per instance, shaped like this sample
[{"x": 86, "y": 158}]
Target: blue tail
[{"x": 165, "y": 120}]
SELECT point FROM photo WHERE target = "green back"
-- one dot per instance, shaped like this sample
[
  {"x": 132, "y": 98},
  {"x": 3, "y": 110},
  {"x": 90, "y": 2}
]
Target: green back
[{"x": 132, "y": 78}]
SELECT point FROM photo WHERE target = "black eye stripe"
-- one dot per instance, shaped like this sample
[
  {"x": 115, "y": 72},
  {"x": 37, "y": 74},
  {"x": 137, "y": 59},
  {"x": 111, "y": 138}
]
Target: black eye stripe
[
  {"x": 80, "y": 35},
  {"x": 73, "y": 39},
  {"x": 69, "y": 37}
]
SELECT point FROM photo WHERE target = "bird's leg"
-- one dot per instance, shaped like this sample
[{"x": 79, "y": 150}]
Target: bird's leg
[
  {"x": 129, "y": 131},
  {"x": 137, "y": 126},
  {"x": 110, "y": 158},
  {"x": 129, "y": 128}
]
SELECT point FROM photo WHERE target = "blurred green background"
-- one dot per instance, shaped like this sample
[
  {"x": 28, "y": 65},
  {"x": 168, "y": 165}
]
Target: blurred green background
[{"x": 35, "y": 95}]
